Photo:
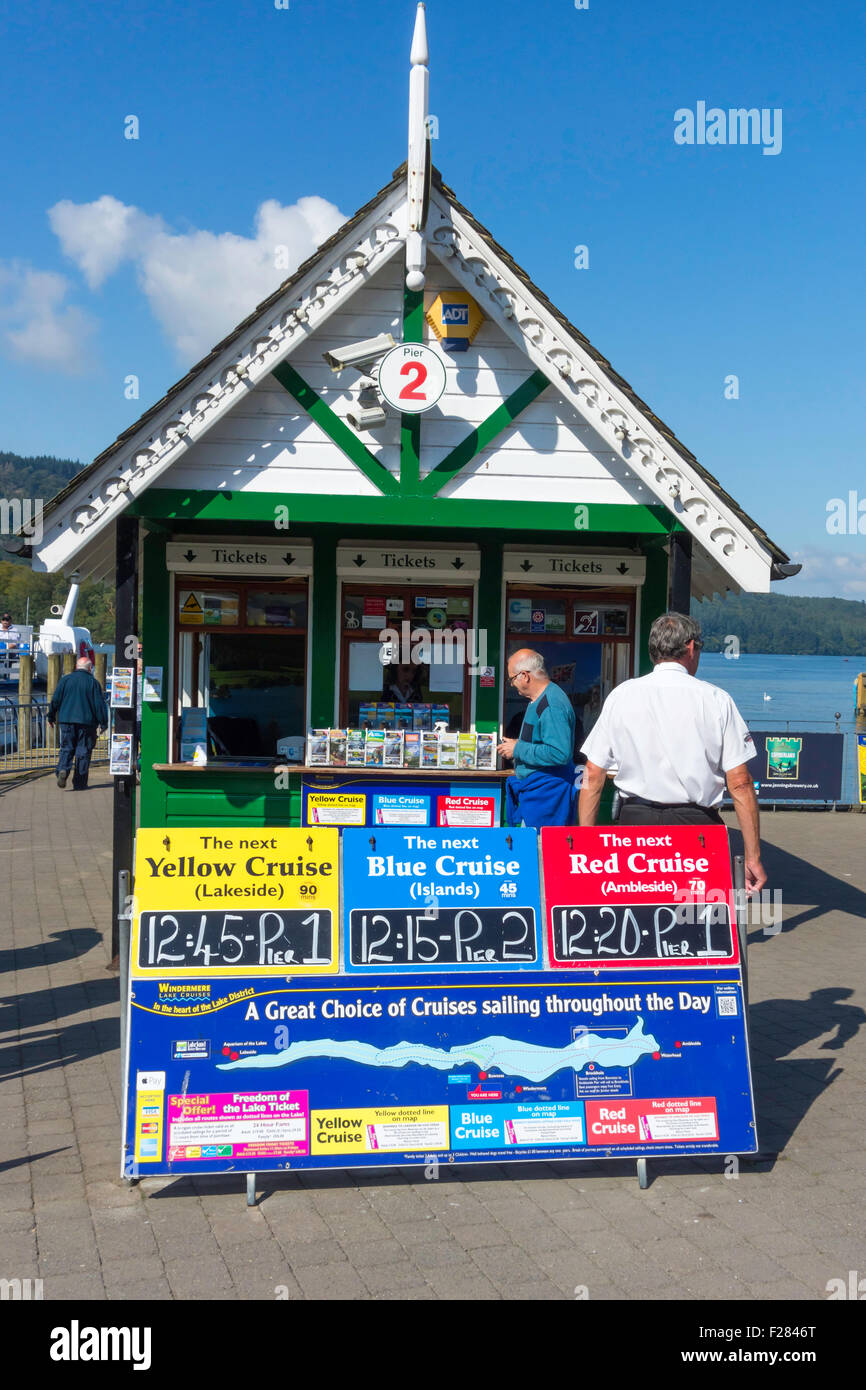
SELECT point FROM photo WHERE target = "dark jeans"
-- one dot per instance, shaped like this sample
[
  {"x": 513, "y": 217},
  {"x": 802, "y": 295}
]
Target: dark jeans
[
  {"x": 683, "y": 815},
  {"x": 76, "y": 746}
]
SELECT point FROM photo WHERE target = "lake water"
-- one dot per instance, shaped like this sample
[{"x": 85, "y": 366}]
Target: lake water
[{"x": 806, "y": 692}]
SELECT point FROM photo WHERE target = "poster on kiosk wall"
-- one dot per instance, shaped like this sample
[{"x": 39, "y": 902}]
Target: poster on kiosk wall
[{"x": 438, "y": 1027}]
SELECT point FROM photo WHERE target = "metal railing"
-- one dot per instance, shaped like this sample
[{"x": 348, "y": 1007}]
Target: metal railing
[{"x": 27, "y": 741}]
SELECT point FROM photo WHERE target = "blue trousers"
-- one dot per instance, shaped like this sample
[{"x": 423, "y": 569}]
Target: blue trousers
[{"x": 76, "y": 745}]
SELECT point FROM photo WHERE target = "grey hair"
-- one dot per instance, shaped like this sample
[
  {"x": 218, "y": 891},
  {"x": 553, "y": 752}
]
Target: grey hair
[
  {"x": 84, "y": 664},
  {"x": 534, "y": 664},
  {"x": 670, "y": 635}
]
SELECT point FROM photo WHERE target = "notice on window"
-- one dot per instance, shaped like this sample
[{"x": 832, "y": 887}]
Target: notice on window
[
  {"x": 201, "y": 609},
  {"x": 466, "y": 810}
]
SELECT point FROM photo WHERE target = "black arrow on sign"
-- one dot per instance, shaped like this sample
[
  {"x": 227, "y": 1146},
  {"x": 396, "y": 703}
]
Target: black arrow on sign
[
  {"x": 190, "y": 555},
  {"x": 457, "y": 564},
  {"x": 359, "y": 560},
  {"x": 288, "y": 558},
  {"x": 623, "y": 568},
  {"x": 526, "y": 565}
]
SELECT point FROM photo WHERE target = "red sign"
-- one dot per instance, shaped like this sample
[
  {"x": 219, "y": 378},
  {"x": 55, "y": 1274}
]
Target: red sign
[
  {"x": 639, "y": 895},
  {"x": 466, "y": 810},
  {"x": 688, "y": 1119}
]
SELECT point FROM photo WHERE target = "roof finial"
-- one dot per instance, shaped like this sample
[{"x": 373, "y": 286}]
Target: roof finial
[{"x": 418, "y": 173}]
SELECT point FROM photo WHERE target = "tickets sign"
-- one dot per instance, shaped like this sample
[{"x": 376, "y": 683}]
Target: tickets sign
[
  {"x": 235, "y": 900},
  {"x": 434, "y": 900},
  {"x": 638, "y": 895}
]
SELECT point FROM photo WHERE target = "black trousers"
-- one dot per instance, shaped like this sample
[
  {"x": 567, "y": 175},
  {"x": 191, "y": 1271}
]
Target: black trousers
[{"x": 673, "y": 815}]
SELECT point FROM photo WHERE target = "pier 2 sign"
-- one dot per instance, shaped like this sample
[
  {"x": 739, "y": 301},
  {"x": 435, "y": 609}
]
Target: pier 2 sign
[
  {"x": 235, "y": 901},
  {"x": 639, "y": 895},
  {"x": 433, "y": 900}
]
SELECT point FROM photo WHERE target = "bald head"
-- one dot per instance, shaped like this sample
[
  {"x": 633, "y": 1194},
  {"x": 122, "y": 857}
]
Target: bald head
[
  {"x": 526, "y": 673},
  {"x": 84, "y": 664}
]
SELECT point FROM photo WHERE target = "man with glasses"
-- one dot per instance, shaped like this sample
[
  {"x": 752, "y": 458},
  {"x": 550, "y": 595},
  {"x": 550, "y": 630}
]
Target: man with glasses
[
  {"x": 674, "y": 742},
  {"x": 542, "y": 790}
]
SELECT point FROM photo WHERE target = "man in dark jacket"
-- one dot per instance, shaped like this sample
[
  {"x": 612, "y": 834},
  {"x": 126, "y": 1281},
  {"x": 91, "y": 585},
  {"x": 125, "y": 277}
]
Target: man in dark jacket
[{"x": 78, "y": 705}]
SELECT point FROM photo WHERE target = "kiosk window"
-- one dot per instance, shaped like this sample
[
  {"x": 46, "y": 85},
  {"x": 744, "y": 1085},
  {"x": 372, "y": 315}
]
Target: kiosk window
[
  {"x": 242, "y": 664},
  {"x": 437, "y": 686},
  {"x": 586, "y": 640}
]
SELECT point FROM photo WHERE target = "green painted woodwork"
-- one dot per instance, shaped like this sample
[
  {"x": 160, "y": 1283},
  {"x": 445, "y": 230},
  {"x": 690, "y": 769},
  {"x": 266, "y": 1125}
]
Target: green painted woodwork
[
  {"x": 410, "y": 454},
  {"x": 449, "y": 513},
  {"x": 216, "y": 798},
  {"x": 335, "y": 428},
  {"x": 654, "y": 600},
  {"x": 410, "y": 425},
  {"x": 488, "y": 619},
  {"x": 483, "y": 435},
  {"x": 322, "y": 650},
  {"x": 156, "y": 644}
]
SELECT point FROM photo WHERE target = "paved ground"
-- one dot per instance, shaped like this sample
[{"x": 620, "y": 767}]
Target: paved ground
[{"x": 780, "y": 1229}]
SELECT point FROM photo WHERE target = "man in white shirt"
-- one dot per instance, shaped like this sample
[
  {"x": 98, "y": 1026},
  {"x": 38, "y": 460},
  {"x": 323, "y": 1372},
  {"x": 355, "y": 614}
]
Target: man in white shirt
[{"x": 674, "y": 742}]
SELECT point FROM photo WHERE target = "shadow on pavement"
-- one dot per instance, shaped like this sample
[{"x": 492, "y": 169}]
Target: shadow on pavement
[
  {"x": 802, "y": 882},
  {"x": 64, "y": 945}
]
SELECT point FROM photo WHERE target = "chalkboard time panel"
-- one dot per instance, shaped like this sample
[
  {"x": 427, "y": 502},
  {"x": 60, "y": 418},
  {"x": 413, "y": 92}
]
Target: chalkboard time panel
[
  {"x": 489, "y": 936},
  {"x": 282, "y": 937},
  {"x": 658, "y": 895},
  {"x": 441, "y": 899},
  {"x": 211, "y": 902},
  {"x": 641, "y": 932}
]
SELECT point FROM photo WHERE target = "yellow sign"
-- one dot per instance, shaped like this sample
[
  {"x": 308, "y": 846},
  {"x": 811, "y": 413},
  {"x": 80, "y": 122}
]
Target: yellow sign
[
  {"x": 336, "y": 808},
  {"x": 455, "y": 319},
  {"x": 236, "y": 901},
  {"x": 404, "y": 1129},
  {"x": 861, "y": 760},
  {"x": 191, "y": 611}
]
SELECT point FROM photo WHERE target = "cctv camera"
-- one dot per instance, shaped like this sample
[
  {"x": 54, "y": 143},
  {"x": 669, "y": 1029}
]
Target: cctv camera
[
  {"x": 370, "y": 419},
  {"x": 358, "y": 354}
]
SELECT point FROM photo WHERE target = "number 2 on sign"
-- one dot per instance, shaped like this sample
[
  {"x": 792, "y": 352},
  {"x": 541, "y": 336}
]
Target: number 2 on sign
[{"x": 410, "y": 391}]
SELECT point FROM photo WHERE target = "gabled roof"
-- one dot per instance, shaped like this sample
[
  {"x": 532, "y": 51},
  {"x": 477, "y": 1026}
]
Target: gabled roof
[{"x": 74, "y": 519}]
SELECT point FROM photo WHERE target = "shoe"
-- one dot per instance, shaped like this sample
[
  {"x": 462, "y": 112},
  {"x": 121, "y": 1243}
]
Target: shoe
[{"x": 62, "y": 779}]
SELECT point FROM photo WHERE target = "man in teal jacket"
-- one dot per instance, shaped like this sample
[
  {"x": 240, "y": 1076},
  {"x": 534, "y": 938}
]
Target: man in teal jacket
[
  {"x": 78, "y": 705},
  {"x": 542, "y": 789}
]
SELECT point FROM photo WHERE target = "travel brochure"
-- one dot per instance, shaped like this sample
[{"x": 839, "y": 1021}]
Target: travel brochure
[
  {"x": 397, "y": 747},
  {"x": 387, "y": 715}
]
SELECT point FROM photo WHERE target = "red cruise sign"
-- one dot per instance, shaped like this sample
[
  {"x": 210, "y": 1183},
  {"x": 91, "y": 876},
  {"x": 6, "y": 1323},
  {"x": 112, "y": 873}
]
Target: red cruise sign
[{"x": 658, "y": 895}]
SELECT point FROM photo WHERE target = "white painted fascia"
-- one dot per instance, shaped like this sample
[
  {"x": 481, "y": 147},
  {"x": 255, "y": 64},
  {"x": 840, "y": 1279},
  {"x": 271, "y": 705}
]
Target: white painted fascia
[
  {"x": 246, "y": 361},
  {"x": 580, "y": 380}
]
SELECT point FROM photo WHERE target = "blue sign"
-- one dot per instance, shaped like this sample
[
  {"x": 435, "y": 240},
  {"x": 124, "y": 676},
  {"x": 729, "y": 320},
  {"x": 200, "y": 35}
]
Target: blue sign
[
  {"x": 434, "y": 899},
  {"x": 359, "y": 1073}
]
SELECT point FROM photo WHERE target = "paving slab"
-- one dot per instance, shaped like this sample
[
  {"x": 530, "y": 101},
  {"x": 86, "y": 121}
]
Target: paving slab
[{"x": 778, "y": 1229}]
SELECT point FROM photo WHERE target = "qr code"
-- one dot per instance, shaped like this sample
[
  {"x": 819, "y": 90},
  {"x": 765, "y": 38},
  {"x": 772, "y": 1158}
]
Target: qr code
[{"x": 727, "y": 1005}]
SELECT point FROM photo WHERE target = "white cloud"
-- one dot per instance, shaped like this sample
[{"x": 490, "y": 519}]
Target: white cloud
[
  {"x": 99, "y": 236},
  {"x": 199, "y": 284},
  {"x": 829, "y": 573},
  {"x": 35, "y": 323}
]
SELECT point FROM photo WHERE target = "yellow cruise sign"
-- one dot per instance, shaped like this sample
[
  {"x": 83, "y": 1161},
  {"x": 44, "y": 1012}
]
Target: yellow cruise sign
[{"x": 236, "y": 901}]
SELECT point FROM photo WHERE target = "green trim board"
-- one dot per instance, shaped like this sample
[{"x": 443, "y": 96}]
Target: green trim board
[
  {"x": 336, "y": 429},
  {"x": 449, "y": 513},
  {"x": 483, "y": 435},
  {"x": 410, "y": 425}
]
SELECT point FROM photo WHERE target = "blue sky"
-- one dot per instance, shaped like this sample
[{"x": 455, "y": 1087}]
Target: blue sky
[{"x": 556, "y": 127}]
